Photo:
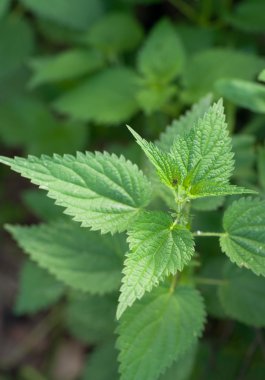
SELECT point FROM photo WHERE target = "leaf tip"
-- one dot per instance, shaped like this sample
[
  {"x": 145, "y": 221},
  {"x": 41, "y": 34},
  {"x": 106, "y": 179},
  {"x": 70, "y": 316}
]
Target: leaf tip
[{"x": 6, "y": 160}]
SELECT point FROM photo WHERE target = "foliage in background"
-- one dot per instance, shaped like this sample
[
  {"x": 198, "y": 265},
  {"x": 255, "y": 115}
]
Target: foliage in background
[{"x": 72, "y": 74}]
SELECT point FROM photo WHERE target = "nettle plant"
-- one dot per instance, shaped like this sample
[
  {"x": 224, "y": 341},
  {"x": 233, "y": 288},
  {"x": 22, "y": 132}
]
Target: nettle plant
[{"x": 160, "y": 313}]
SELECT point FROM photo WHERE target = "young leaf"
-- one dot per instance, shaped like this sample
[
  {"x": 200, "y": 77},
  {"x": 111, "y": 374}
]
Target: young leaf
[
  {"x": 67, "y": 65},
  {"x": 79, "y": 258},
  {"x": 90, "y": 318},
  {"x": 99, "y": 190},
  {"x": 162, "y": 56},
  {"x": 114, "y": 33},
  {"x": 108, "y": 97},
  {"x": 204, "y": 158},
  {"x": 166, "y": 167},
  {"x": 243, "y": 296},
  {"x": 158, "y": 330},
  {"x": 38, "y": 289},
  {"x": 183, "y": 125},
  {"x": 77, "y": 14},
  {"x": 244, "y": 240},
  {"x": 157, "y": 249}
]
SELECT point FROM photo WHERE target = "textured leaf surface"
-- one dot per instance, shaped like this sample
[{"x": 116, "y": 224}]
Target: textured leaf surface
[
  {"x": 200, "y": 161},
  {"x": 244, "y": 241},
  {"x": 184, "y": 124},
  {"x": 162, "y": 57},
  {"x": 80, "y": 258},
  {"x": 94, "y": 367},
  {"x": 204, "y": 158},
  {"x": 99, "y": 190},
  {"x": 208, "y": 66},
  {"x": 157, "y": 330},
  {"x": 107, "y": 97},
  {"x": 91, "y": 318},
  {"x": 77, "y": 14},
  {"x": 38, "y": 289},
  {"x": 163, "y": 162},
  {"x": 67, "y": 65},
  {"x": 115, "y": 33},
  {"x": 243, "y": 296},
  {"x": 243, "y": 93},
  {"x": 156, "y": 250}
]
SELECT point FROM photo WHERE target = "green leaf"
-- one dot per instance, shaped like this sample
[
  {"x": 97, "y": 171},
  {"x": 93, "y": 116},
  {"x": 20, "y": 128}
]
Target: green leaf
[
  {"x": 201, "y": 162},
  {"x": 91, "y": 319},
  {"x": 99, "y": 190},
  {"x": 67, "y": 65},
  {"x": 158, "y": 330},
  {"x": 38, "y": 289},
  {"x": 153, "y": 98},
  {"x": 108, "y": 97},
  {"x": 207, "y": 203},
  {"x": 16, "y": 44},
  {"x": 184, "y": 124},
  {"x": 208, "y": 66},
  {"x": 163, "y": 162},
  {"x": 244, "y": 240},
  {"x": 157, "y": 249},
  {"x": 77, "y": 14},
  {"x": 244, "y": 94},
  {"x": 24, "y": 116},
  {"x": 262, "y": 76},
  {"x": 79, "y": 258},
  {"x": 115, "y": 33},
  {"x": 162, "y": 56},
  {"x": 243, "y": 296},
  {"x": 204, "y": 158},
  {"x": 94, "y": 369},
  {"x": 249, "y": 16}
]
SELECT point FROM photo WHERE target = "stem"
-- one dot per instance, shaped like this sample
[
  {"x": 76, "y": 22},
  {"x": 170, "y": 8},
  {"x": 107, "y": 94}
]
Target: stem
[
  {"x": 210, "y": 281},
  {"x": 202, "y": 234}
]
